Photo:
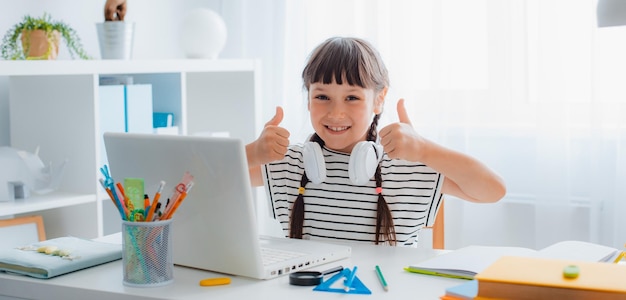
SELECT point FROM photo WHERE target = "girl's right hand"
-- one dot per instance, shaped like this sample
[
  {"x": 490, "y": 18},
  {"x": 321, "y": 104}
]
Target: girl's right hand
[{"x": 273, "y": 142}]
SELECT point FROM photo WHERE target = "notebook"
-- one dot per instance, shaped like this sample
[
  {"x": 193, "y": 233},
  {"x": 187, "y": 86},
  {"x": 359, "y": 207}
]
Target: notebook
[{"x": 215, "y": 228}]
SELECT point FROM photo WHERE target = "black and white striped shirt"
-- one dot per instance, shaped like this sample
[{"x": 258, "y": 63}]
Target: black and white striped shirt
[{"x": 336, "y": 209}]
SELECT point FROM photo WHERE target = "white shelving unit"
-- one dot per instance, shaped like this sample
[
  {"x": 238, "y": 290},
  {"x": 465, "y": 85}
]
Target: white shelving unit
[{"x": 53, "y": 105}]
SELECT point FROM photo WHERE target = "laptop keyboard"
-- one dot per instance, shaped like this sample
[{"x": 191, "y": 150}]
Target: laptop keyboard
[{"x": 271, "y": 256}]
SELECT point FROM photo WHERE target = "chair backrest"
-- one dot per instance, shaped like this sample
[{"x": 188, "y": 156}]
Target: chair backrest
[{"x": 438, "y": 228}]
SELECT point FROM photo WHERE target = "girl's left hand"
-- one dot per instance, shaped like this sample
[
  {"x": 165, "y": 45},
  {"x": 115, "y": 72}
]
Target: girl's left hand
[{"x": 400, "y": 140}]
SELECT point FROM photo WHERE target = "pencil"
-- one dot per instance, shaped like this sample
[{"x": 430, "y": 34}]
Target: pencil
[
  {"x": 382, "y": 278},
  {"x": 349, "y": 280},
  {"x": 155, "y": 201},
  {"x": 178, "y": 201}
]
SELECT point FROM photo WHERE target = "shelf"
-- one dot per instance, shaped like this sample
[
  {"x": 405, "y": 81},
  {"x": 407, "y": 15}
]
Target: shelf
[
  {"x": 56, "y": 106},
  {"x": 43, "y": 202},
  {"x": 81, "y": 67}
]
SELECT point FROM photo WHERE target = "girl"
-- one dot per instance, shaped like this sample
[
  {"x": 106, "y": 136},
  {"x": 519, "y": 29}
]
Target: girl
[{"x": 347, "y": 82}]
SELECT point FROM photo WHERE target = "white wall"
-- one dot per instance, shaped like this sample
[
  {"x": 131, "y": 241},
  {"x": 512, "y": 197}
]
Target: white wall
[{"x": 157, "y": 29}]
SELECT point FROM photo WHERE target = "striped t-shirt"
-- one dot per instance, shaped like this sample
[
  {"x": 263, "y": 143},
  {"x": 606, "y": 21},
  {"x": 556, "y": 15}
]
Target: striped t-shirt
[{"x": 336, "y": 209}]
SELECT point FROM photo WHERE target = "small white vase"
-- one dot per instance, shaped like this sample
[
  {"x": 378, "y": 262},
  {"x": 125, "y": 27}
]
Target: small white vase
[
  {"x": 116, "y": 39},
  {"x": 203, "y": 34}
]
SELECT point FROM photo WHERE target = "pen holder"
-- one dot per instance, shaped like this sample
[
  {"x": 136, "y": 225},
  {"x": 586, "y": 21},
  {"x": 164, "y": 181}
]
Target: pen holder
[{"x": 147, "y": 253}]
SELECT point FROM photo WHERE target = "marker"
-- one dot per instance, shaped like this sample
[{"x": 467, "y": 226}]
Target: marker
[
  {"x": 215, "y": 281},
  {"x": 382, "y": 278},
  {"x": 349, "y": 280}
]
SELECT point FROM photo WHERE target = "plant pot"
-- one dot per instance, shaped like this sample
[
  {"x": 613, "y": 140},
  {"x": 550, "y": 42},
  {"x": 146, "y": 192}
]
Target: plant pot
[
  {"x": 116, "y": 39},
  {"x": 38, "y": 44}
]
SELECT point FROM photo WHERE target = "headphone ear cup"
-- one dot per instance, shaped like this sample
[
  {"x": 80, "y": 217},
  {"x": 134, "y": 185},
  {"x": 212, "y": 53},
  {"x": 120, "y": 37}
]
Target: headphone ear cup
[
  {"x": 364, "y": 161},
  {"x": 314, "y": 164}
]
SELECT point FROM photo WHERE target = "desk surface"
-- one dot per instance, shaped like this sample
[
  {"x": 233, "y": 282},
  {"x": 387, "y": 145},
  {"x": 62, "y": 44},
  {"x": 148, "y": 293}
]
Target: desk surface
[{"x": 105, "y": 281}]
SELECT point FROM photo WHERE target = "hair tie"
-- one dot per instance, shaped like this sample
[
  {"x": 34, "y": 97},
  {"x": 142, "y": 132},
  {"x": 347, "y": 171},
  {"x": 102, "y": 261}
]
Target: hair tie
[
  {"x": 379, "y": 190},
  {"x": 301, "y": 190}
]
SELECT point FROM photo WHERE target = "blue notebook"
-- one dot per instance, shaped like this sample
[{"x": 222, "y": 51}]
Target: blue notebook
[
  {"x": 466, "y": 290},
  {"x": 66, "y": 254}
]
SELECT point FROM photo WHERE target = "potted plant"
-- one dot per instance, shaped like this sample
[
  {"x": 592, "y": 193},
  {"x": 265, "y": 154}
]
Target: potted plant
[{"x": 38, "y": 38}]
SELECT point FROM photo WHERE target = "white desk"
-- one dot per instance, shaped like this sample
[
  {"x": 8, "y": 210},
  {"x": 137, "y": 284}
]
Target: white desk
[{"x": 105, "y": 282}]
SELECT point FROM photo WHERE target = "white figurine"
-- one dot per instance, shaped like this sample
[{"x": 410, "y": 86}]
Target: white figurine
[{"x": 22, "y": 172}]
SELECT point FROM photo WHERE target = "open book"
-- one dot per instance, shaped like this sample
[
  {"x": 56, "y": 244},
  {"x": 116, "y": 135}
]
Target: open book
[{"x": 466, "y": 262}]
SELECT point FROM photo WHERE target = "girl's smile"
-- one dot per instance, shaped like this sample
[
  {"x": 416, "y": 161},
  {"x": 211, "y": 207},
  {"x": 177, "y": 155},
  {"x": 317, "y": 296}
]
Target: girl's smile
[{"x": 341, "y": 114}]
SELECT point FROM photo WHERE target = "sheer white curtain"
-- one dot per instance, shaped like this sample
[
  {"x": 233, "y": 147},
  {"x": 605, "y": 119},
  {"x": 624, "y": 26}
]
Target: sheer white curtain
[{"x": 532, "y": 88}]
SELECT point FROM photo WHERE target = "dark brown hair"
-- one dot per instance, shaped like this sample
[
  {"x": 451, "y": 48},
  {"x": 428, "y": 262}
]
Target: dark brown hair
[{"x": 355, "y": 61}]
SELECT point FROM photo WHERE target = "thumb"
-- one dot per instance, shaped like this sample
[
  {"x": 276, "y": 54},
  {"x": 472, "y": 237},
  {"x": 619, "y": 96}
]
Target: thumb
[
  {"x": 402, "y": 114},
  {"x": 278, "y": 117}
]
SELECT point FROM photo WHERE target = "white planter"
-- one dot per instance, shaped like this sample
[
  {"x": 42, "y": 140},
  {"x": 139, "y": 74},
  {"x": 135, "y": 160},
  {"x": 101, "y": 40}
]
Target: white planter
[{"x": 116, "y": 39}]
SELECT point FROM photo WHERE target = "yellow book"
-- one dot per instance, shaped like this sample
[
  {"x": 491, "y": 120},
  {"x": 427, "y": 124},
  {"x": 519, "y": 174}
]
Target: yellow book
[{"x": 512, "y": 277}]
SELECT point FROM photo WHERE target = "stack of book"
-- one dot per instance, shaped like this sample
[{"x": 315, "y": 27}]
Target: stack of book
[
  {"x": 514, "y": 277},
  {"x": 523, "y": 273}
]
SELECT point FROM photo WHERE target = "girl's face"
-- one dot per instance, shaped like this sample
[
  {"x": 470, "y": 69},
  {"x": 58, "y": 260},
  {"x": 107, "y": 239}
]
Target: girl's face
[{"x": 341, "y": 114}]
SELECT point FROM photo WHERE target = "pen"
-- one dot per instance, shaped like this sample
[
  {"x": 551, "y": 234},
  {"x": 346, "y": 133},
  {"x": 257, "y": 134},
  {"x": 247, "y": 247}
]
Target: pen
[
  {"x": 117, "y": 205},
  {"x": 382, "y": 278},
  {"x": 619, "y": 257},
  {"x": 157, "y": 212},
  {"x": 108, "y": 192},
  {"x": 349, "y": 280},
  {"x": 119, "y": 191},
  {"x": 180, "y": 199},
  {"x": 119, "y": 200},
  {"x": 155, "y": 201},
  {"x": 178, "y": 189}
]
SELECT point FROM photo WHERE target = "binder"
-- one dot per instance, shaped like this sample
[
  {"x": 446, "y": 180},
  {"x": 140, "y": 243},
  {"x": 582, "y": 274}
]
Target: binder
[
  {"x": 124, "y": 108},
  {"x": 112, "y": 114},
  {"x": 138, "y": 99}
]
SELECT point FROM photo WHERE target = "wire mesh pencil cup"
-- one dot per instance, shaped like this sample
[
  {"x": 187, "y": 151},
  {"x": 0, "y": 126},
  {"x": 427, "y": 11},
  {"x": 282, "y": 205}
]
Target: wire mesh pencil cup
[{"x": 147, "y": 253}]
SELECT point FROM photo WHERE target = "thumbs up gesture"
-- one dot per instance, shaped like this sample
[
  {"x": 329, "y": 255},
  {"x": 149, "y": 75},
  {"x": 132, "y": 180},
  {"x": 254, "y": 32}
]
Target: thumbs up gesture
[
  {"x": 400, "y": 140},
  {"x": 272, "y": 143}
]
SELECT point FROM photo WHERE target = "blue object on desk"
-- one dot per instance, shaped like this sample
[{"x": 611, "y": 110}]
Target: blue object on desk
[
  {"x": 466, "y": 290},
  {"x": 357, "y": 287}
]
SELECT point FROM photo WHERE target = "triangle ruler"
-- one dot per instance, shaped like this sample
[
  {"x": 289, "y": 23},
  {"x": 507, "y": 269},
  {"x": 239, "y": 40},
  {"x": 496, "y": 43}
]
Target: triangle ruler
[{"x": 357, "y": 286}]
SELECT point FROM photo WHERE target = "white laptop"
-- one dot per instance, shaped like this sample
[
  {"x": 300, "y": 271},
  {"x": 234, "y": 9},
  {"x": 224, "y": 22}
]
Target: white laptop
[{"x": 215, "y": 227}]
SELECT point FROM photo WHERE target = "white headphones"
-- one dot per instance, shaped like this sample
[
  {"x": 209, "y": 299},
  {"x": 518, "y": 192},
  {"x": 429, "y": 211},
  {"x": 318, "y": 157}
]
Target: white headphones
[{"x": 363, "y": 162}]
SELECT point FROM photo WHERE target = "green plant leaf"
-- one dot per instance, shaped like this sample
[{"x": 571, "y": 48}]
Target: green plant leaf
[{"x": 11, "y": 47}]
